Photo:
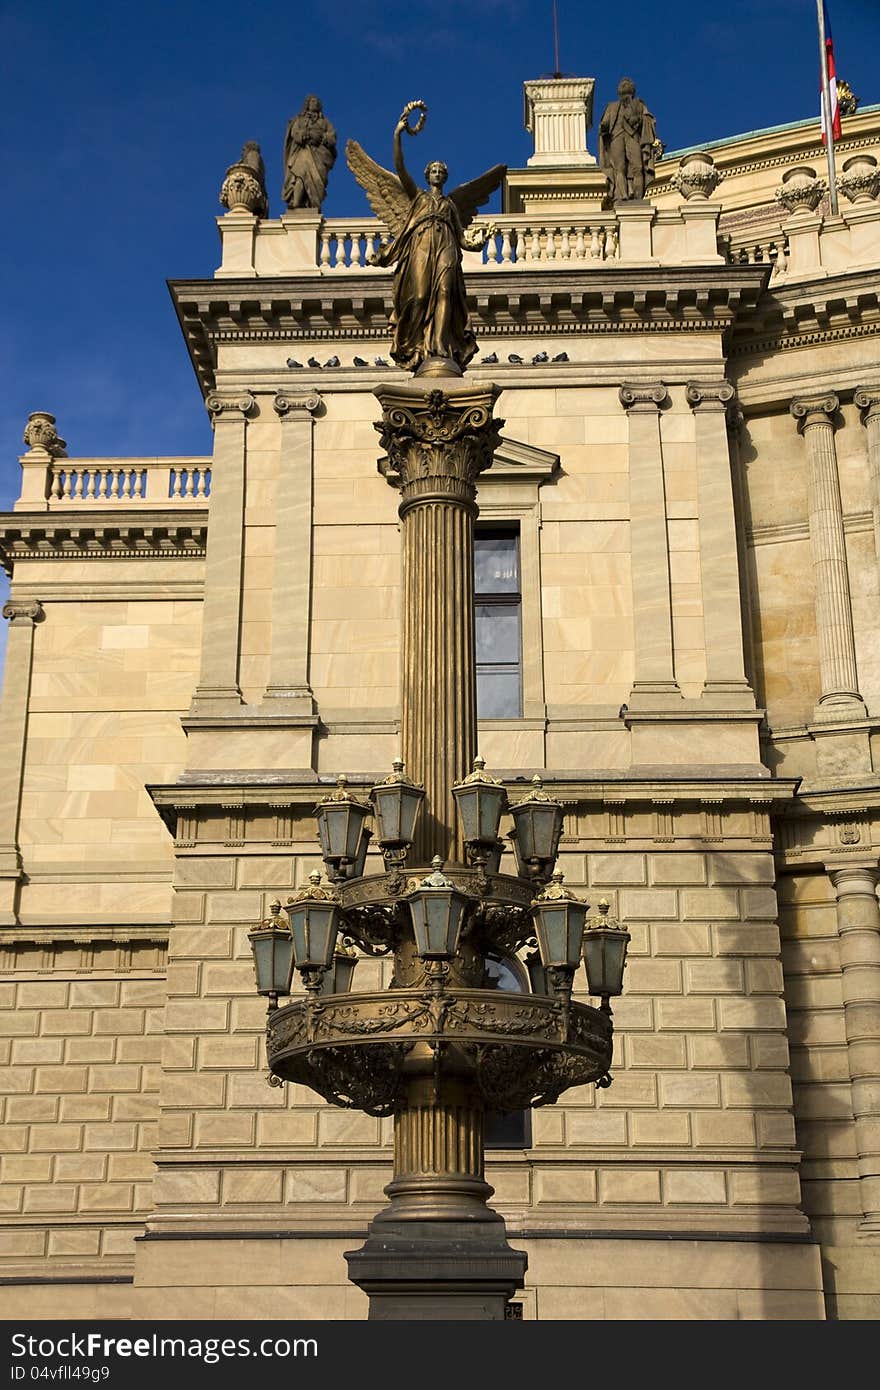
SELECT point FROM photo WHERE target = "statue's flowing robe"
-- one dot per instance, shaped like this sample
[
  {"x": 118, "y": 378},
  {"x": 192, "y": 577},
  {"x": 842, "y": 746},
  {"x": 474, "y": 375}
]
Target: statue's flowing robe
[
  {"x": 429, "y": 316},
  {"x": 307, "y": 158}
]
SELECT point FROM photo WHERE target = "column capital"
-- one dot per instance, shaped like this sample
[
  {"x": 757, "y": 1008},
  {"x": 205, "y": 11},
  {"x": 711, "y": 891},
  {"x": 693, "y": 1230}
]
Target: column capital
[
  {"x": 438, "y": 441},
  {"x": 710, "y": 396},
  {"x": 643, "y": 398},
  {"x": 858, "y": 879},
  {"x": 294, "y": 405},
  {"x": 24, "y": 611},
  {"x": 867, "y": 398},
  {"x": 221, "y": 403},
  {"x": 814, "y": 410}
]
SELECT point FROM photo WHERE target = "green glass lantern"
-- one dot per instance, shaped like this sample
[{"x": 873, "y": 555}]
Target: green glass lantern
[
  {"x": 337, "y": 980},
  {"x": 538, "y": 825},
  {"x": 315, "y": 918},
  {"x": 272, "y": 945},
  {"x": 341, "y": 820},
  {"x": 437, "y": 909},
  {"x": 396, "y": 802},
  {"x": 604, "y": 950},
  {"x": 481, "y": 801},
  {"x": 559, "y": 925}
]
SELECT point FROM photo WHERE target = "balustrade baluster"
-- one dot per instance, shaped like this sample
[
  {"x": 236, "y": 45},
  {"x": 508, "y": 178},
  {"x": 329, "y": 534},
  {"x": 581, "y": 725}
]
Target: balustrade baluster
[
  {"x": 565, "y": 243},
  {"x": 90, "y": 488},
  {"x": 324, "y": 257},
  {"x": 341, "y": 259},
  {"x": 508, "y": 240},
  {"x": 355, "y": 249},
  {"x": 176, "y": 482},
  {"x": 595, "y": 248},
  {"x": 114, "y": 485},
  {"x": 73, "y": 485},
  {"x": 200, "y": 484},
  {"x": 56, "y": 489}
]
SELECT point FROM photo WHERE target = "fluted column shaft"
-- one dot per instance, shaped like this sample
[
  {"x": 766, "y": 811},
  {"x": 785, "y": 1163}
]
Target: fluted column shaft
[
  {"x": 23, "y": 615},
  {"x": 218, "y": 686},
  {"x": 292, "y": 585},
  {"x": 654, "y": 679},
  {"x": 839, "y": 694},
  {"x": 437, "y": 443},
  {"x": 719, "y": 566},
  {"x": 858, "y": 925},
  {"x": 867, "y": 398}
]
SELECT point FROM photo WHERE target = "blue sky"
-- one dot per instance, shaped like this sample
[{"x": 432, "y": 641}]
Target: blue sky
[{"x": 121, "y": 120}]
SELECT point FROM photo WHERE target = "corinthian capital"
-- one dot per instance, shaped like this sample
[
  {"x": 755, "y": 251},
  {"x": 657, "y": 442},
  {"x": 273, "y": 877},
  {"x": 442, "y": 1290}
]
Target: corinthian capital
[
  {"x": 220, "y": 404},
  {"x": 867, "y": 398},
  {"x": 644, "y": 397},
  {"x": 814, "y": 410},
  {"x": 438, "y": 442},
  {"x": 19, "y": 610},
  {"x": 291, "y": 404},
  {"x": 710, "y": 395}
]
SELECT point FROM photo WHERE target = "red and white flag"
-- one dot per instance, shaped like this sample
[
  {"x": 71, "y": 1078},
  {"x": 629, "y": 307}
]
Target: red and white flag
[{"x": 832, "y": 83}]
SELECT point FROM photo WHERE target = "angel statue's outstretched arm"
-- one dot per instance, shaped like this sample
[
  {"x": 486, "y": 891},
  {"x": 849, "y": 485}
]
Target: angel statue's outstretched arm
[{"x": 408, "y": 184}]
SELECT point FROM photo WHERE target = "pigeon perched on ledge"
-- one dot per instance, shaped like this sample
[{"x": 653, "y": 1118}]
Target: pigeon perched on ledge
[
  {"x": 379, "y": 362},
  {"x": 332, "y": 362},
  {"x": 512, "y": 357},
  {"x": 313, "y": 362},
  {"x": 561, "y": 357},
  {"x": 488, "y": 361},
  {"x": 292, "y": 362},
  {"x": 359, "y": 362},
  {"x": 540, "y": 357}
]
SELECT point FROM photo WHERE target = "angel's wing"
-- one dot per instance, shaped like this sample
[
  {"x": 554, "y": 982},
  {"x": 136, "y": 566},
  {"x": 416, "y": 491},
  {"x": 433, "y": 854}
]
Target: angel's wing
[
  {"x": 383, "y": 189},
  {"x": 470, "y": 196}
]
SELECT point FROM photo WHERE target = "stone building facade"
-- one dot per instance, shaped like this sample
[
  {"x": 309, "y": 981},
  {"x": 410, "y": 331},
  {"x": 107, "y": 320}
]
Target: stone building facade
[{"x": 683, "y": 634}]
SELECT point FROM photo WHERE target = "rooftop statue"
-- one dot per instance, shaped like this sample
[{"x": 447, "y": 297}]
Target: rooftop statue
[
  {"x": 431, "y": 328},
  {"x": 627, "y": 139},
  {"x": 309, "y": 155}
]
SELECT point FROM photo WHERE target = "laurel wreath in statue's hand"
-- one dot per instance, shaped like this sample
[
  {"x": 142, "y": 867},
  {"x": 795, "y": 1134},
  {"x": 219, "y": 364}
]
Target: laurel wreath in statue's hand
[{"x": 411, "y": 106}]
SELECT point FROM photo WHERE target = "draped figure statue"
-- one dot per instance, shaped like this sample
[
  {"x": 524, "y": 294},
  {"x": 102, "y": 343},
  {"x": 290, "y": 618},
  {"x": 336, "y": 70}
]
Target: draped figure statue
[{"x": 430, "y": 324}]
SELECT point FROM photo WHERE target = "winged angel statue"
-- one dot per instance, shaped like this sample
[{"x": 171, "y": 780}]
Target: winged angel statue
[{"x": 431, "y": 328}]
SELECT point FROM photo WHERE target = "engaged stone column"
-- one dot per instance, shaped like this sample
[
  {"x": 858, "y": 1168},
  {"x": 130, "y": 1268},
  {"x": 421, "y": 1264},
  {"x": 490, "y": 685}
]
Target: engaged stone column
[
  {"x": 719, "y": 570},
  {"x": 654, "y": 682},
  {"x": 292, "y": 587},
  {"x": 867, "y": 398},
  {"x": 218, "y": 686},
  {"x": 858, "y": 923},
  {"x": 437, "y": 443},
  {"x": 839, "y": 697},
  {"x": 23, "y": 615}
]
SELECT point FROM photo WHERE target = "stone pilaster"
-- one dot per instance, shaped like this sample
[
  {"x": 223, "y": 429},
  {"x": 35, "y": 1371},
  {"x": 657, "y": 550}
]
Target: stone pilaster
[
  {"x": 23, "y": 615},
  {"x": 289, "y": 684},
  {"x": 654, "y": 682},
  {"x": 867, "y": 398},
  {"x": 726, "y": 682},
  {"x": 858, "y": 924},
  {"x": 839, "y": 696},
  {"x": 218, "y": 689},
  {"x": 438, "y": 442}
]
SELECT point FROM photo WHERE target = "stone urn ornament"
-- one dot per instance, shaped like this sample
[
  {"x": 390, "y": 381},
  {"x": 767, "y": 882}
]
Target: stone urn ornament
[
  {"x": 860, "y": 179},
  {"x": 697, "y": 176},
  {"x": 40, "y": 433},
  {"x": 801, "y": 189},
  {"x": 244, "y": 187}
]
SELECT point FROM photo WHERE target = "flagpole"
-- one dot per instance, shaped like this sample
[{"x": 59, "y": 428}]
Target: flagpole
[{"x": 826, "y": 107}]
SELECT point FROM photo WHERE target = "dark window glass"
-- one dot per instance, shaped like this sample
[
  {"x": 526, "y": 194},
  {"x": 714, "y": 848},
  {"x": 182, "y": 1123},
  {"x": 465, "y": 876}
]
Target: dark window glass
[
  {"x": 510, "y": 1129},
  {"x": 498, "y": 623}
]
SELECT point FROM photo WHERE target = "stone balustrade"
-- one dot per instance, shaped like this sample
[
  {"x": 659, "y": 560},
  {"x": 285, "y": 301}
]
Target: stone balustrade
[{"x": 126, "y": 482}]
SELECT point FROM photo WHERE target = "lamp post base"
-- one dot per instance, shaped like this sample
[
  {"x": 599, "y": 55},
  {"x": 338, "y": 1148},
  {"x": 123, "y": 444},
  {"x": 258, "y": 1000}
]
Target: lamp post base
[{"x": 432, "y": 1271}]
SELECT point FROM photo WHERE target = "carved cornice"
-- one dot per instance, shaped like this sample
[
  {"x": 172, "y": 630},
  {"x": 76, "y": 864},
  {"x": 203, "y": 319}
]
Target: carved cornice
[
  {"x": 24, "y": 611},
  {"x": 292, "y": 405},
  {"x": 220, "y": 405},
  {"x": 644, "y": 398},
  {"x": 814, "y": 410},
  {"x": 710, "y": 396},
  {"x": 606, "y": 299},
  {"x": 103, "y": 536}
]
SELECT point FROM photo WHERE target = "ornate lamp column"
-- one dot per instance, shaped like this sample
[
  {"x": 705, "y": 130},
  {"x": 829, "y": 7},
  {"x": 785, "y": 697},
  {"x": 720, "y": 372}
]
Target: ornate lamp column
[{"x": 438, "y": 442}]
